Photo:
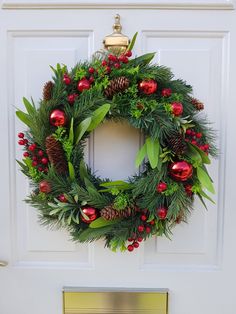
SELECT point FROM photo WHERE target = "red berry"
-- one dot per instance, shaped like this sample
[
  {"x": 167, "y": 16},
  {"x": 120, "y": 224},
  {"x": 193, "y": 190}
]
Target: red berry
[
  {"x": 188, "y": 132},
  {"x": 125, "y": 60},
  {"x": 202, "y": 147},
  {"x": 161, "y": 187},
  {"x": 143, "y": 217},
  {"x": 21, "y": 142},
  {"x": 136, "y": 244},
  {"x": 26, "y": 154},
  {"x": 140, "y": 239},
  {"x": 117, "y": 65},
  {"x": 152, "y": 222},
  {"x": 206, "y": 146},
  {"x": 91, "y": 79},
  {"x": 91, "y": 70},
  {"x": 104, "y": 63},
  {"x": 128, "y": 53},
  {"x": 44, "y": 161},
  {"x": 108, "y": 69},
  {"x": 194, "y": 142},
  {"x": 112, "y": 58},
  {"x": 188, "y": 189},
  {"x": 148, "y": 229},
  {"x": 32, "y": 147},
  {"x": 62, "y": 198},
  {"x": 21, "y": 135},
  {"x": 177, "y": 108},
  {"x": 198, "y": 135},
  {"x": 40, "y": 168},
  {"x": 130, "y": 239},
  {"x": 26, "y": 141},
  {"x": 140, "y": 228},
  {"x": 40, "y": 153},
  {"x": 66, "y": 79},
  {"x": 34, "y": 163},
  {"x": 193, "y": 133},
  {"x": 130, "y": 248},
  {"x": 34, "y": 158},
  {"x": 162, "y": 212},
  {"x": 166, "y": 92},
  {"x": 71, "y": 98}
]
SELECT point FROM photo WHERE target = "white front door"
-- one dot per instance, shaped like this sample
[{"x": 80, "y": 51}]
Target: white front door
[{"x": 198, "y": 41}]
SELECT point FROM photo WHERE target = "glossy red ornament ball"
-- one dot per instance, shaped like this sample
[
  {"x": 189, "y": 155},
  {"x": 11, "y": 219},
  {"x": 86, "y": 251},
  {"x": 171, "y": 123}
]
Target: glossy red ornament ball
[
  {"x": 177, "y": 108},
  {"x": 147, "y": 87},
  {"x": 44, "y": 186},
  {"x": 58, "y": 118},
  {"x": 166, "y": 92},
  {"x": 162, "y": 212},
  {"x": 161, "y": 187},
  {"x": 140, "y": 228},
  {"x": 83, "y": 84},
  {"x": 181, "y": 170},
  {"x": 91, "y": 213},
  {"x": 21, "y": 135},
  {"x": 130, "y": 248}
]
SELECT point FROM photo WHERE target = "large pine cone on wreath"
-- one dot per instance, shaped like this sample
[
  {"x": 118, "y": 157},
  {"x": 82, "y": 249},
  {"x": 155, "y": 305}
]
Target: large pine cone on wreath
[
  {"x": 110, "y": 213},
  {"x": 56, "y": 154},
  {"x": 47, "y": 90},
  {"x": 116, "y": 85},
  {"x": 177, "y": 144}
]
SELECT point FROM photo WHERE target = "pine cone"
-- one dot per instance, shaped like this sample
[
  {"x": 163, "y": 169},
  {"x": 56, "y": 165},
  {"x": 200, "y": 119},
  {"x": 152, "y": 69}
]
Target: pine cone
[
  {"x": 197, "y": 104},
  {"x": 110, "y": 213},
  {"x": 116, "y": 85},
  {"x": 56, "y": 154},
  {"x": 177, "y": 144},
  {"x": 47, "y": 90}
]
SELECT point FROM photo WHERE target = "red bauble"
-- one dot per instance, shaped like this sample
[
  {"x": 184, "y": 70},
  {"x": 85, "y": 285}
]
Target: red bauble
[
  {"x": 91, "y": 213},
  {"x": 177, "y": 108},
  {"x": 83, "y": 85},
  {"x": 44, "y": 186},
  {"x": 161, "y": 187},
  {"x": 181, "y": 170},
  {"x": 148, "y": 87},
  {"x": 166, "y": 92},
  {"x": 162, "y": 212},
  {"x": 58, "y": 118}
]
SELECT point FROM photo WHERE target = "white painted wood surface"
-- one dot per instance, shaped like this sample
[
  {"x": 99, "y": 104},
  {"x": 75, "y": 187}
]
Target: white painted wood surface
[{"x": 198, "y": 266}]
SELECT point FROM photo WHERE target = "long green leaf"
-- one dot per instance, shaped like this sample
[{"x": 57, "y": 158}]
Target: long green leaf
[
  {"x": 81, "y": 129},
  {"x": 24, "y": 117},
  {"x": 143, "y": 60},
  {"x": 101, "y": 222},
  {"x": 202, "y": 200},
  {"x": 205, "y": 158},
  {"x": 115, "y": 183},
  {"x": 205, "y": 180},
  {"x": 202, "y": 193},
  {"x": 153, "y": 148},
  {"x": 140, "y": 155},
  {"x": 30, "y": 109},
  {"x": 71, "y": 170},
  {"x": 194, "y": 155},
  {"x": 89, "y": 184},
  {"x": 71, "y": 133},
  {"x": 98, "y": 116},
  {"x": 132, "y": 43},
  {"x": 83, "y": 170}
]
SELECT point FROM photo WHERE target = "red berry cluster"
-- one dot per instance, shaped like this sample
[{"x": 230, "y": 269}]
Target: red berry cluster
[
  {"x": 196, "y": 138},
  {"x": 38, "y": 157},
  {"x": 116, "y": 61}
]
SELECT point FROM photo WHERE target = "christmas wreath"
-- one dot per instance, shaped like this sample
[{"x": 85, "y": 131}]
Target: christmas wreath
[{"x": 177, "y": 145}]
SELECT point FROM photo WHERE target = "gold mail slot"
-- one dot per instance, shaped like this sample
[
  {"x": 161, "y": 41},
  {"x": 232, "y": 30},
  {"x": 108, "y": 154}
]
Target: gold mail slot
[{"x": 115, "y": 302}]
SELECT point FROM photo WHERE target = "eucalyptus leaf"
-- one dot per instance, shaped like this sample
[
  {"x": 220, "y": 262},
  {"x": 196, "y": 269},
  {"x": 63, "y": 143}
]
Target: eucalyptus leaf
[
  {"x": 83, "y": 170},
  {"x": 81, "y": 129},
  {"x": 115, "y": 184},
  {"x": 101, "y": 222},
  {"x": 153, "y": 148},
  {"x": 205, "y": 180},
  {"x": 55, "y": 211},
  {"x": 71, "y": 133},
  {"x": 89, "y": 184},
  {"x": 98, "y": 116},
  {"x": 143, "y": 60},
  {"x": 71, "y": 170},
  {"x": 132, "y": 43},
  {"x": 30, "y": 109},
  {"x": 24, "y": 117},
  {"x": 140, "y": 155}
]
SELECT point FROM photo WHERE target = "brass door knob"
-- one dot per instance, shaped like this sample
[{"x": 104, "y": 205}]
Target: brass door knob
[{"x": 3, "y": 263}]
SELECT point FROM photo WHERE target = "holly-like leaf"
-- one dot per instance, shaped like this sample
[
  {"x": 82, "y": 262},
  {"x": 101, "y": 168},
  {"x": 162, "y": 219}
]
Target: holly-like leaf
[
  {"x": 153, "y": 148},
  {"x": 71, "y": 170},
  {"x": 24, "y": 117},
  {"x": 101, "y": 222},
  {"x": 205, "y": 180},
  {"x": 98, "y": 116},
  {"x": 81, "y": 129},
  {"x": 140, "y": 155}
]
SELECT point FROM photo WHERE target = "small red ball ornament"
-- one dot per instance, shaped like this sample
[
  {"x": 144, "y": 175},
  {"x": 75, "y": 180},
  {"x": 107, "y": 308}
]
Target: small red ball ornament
[
  {"x": 83, "y": 85},
  {"x": 161, "y": 187},
  {"x": 181, "y": 170},
  {"x": 44, "y": 186},
  {"x": 162, "y": 212},
  {"x": 166, "y": 92},
  {"x": 91, "y": 213},
  {"x": 147, "y": 86},
  {"x": 177, "y": 108},
  {"x": 58, "y": 118}
]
